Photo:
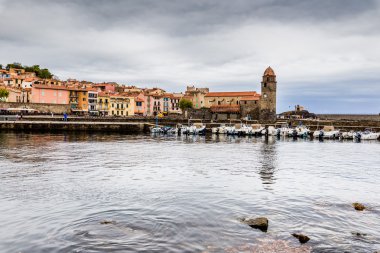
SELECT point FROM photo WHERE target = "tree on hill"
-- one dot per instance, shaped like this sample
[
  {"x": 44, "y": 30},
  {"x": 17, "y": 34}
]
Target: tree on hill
[
  {"x": 1, "y": 66},
  {"x": 3, "y": 94},
  {"x": 185, "y": 104},
  {"x": 15, "y": 65},
  {"x": 41, "y": 73}
]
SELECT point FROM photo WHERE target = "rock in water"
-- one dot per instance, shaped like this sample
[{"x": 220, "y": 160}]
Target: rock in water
[
  {"x": 358, "y": 206},
  {"x": 302, "y": 238},
  {"x": 258, "y": 223},
  {"x": 105, "y": 222}
]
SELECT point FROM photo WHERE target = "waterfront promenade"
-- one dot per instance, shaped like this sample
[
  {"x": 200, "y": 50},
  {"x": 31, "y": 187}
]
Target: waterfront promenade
[{"x": 142, "y": 125}]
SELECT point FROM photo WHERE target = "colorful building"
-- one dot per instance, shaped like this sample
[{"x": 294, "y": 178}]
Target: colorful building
[
  {"x": 43, "y": 94},
  {"x": 103, "y": 104},
  {"x": 121, "y": 105},
  {"x": 78, "y": 100},
  {"x": 196, "y": 96},
  {"x": 92, "y": 99},
  {"x": 14, "y": 95},
  {"x": 174, "y": 103},
  {"x": 140, "y": 107}
]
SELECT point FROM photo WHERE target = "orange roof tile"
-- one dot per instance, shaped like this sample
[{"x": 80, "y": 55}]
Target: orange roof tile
[
  {"x": 138, "y": 99},
  {"x": 41, "y": 86},
  {"x": 231, "y": 94}
]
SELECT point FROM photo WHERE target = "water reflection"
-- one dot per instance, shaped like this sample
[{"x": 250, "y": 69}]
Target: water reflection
[
  {"x": 184, "y": 193},
  {"x": 268, "y": 161}
]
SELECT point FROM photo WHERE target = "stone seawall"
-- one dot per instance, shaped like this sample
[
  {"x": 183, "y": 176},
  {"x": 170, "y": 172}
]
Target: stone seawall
[
  {"x": 43, "y": 108},
  {"x": 372, "y": 117},
  {"x": 54, "y": 126}
]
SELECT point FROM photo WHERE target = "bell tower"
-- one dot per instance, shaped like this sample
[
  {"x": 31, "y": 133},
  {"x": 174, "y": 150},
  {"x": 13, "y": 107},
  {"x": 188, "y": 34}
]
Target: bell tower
[{"x": 268, "y": 97}]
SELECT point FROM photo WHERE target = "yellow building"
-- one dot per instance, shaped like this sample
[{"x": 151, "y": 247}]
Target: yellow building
[
  {"x": 103, "y": 105},
  {"x": 121, "y": 105}
]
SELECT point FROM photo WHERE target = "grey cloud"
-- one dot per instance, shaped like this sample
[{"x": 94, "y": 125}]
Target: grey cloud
[{"x": 218, "y": 43}]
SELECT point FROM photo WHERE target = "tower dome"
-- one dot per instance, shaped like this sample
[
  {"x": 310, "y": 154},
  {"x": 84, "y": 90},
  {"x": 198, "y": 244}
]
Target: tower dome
[{"x": 269, "y": 72}]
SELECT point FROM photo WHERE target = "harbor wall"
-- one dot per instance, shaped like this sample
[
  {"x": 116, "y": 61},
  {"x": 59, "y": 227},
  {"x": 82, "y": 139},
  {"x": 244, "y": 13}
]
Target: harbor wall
[
  {"x": 46, "y": 126},
  {"x": 375, "y": 117},
  {"x": 43, "y": 108}
]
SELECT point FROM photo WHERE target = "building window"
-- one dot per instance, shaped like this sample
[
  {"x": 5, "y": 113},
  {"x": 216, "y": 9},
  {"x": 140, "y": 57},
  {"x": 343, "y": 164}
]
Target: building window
[
  {"x": 113, "y": 105},
  {"x": 265, "y": 85},
  {"x": 84, "y": 99},
  {"x": 122, "y": 112}
]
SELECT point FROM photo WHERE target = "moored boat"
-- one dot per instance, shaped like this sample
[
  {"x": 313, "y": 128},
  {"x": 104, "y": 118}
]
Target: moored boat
[{"x": 367, "y": 134}]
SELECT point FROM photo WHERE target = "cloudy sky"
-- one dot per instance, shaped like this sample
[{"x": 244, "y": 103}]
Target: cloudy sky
[{"x": 326, "y": 53}]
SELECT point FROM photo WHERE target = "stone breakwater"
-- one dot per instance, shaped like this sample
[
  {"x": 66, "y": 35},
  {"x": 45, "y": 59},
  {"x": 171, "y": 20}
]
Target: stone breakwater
[{"x": 61, "y": 126}]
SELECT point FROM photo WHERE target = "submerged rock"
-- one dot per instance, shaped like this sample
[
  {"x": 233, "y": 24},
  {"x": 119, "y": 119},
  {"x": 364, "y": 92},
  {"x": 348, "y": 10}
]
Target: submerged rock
[
  {"x": 105, "y": 222},
  {"x": 358, "y": 234},
  {"x": 267, "y": 246},
  {"x": 358, "y": 206},
  {"x": 302, "y": 238},
  {"x": 258, "y": 223}
]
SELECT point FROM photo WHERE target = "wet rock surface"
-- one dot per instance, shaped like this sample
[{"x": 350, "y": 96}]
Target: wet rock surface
[
  {"x": 358, "y": 206},
  {"x": 268, "y": 246},
  {"x": 261, "y": 223},
  {"x": 105, "y": 222},
  {"x": 301, "y": 238}
]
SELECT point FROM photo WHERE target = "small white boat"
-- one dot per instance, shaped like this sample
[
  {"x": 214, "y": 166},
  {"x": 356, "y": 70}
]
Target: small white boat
[
  {"x": 235, "y": 129},
  {"x": 222, "y": 129},
  {"x": 329, "y": 132},
  {"x": 302, "y": 131},
  {"x": 292, "y": 132},
  {"x": 215, "y": 130},
  {"x": 270, "y": 130},
  {"x": 247, "y": 130},
  {"x": 347, "y": 135},
  {"x": 184, "y": 130},
  {"x": 318, "y": 134},
  {"x": 197, "y": 129},
  {"x": 256, "y": 129},
  {"x": 156, "y": 130},
  {"x": 368, "y": 134},
  {"x": 283, "y": 131}
]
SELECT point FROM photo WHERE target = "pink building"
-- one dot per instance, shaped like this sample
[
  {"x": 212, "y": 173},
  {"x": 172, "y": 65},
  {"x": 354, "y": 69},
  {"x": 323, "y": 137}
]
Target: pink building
[
  {"x": 140, "y": 105},
  {"x": 14, "y": 95},
  {"x": 43, "y": 94},
  {"x": 154, "y": 104},
  {"x": 105, "y": 87}
]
